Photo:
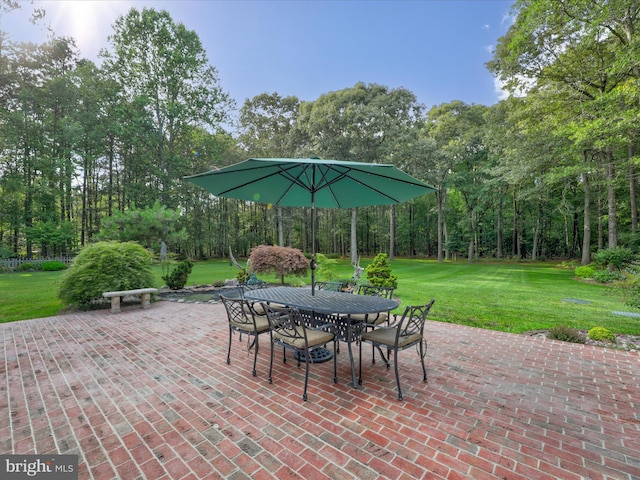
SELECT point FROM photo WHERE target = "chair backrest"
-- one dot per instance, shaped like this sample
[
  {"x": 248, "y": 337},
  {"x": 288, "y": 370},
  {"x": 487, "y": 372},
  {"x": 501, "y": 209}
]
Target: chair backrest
[
  {"x": 238, "y": 311},
  {"x": 331, "y": 286},
  {"x": 412, "y": 321},
  {"x": 286, "y": 325},
  {"x": 371, "y": 290},
  {"x": 233, "y": 292}
]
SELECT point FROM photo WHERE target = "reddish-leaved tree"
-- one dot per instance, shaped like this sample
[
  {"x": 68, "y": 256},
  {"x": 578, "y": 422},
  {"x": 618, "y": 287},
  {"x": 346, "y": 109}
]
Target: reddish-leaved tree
[{"x": 278, "y": 261}]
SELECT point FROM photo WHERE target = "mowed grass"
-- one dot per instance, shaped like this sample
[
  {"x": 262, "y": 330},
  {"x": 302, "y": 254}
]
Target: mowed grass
[
  {"x": 511, "y": 297},
  {"x": 28, "y": 295}
]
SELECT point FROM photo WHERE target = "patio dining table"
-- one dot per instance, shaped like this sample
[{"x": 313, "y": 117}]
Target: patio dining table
[{"x": 327, "y": 306}]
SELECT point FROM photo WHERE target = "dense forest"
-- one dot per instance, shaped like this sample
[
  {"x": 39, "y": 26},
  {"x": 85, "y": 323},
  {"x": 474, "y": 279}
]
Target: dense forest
[{"x": 549, "y": 172}]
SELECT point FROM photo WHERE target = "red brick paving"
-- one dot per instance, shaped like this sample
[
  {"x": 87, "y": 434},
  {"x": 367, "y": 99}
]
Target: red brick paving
[{"x": 147, "y": 394}]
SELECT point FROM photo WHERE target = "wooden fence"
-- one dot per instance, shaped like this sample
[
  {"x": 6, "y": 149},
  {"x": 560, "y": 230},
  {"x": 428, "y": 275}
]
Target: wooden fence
[{"x": 16, "y": 263}]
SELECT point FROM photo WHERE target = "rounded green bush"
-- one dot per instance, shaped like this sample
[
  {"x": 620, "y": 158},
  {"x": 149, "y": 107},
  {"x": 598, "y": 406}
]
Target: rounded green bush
[
  {"x": 53, "y": 266},
  {"x": 28, "y": 267},
  {"x": 601, "y": 333},
  {"x": 105, "y": 267},
  {"x": 585, "y": 271},
  {"x": 605, "y": 276},
  {"x": 618, "y": 257}
]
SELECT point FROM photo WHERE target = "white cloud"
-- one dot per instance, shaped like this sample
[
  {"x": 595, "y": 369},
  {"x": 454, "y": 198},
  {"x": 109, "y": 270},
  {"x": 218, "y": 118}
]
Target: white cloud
[{"x": 498, "y": 87}]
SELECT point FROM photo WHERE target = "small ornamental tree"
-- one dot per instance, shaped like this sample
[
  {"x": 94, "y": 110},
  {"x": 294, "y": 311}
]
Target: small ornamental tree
[
  {"x": 177, "y": 279},
  {"x": 379, "y": 272},
  {"x": 105, "y": 267},
  {"x": 279, "y": 261}
]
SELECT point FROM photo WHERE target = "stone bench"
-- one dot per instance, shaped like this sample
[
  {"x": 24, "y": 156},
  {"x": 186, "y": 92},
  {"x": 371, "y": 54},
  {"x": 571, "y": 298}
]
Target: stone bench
[{"x": 145, "y": 295}]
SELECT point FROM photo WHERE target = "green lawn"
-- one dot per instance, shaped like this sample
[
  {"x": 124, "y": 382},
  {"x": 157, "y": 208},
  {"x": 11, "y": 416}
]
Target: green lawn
[{"x": 512, "y": 297}]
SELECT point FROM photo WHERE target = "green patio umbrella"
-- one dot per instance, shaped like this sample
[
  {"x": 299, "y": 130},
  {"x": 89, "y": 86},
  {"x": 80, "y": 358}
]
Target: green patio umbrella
[{"x": 311, "y": 182}]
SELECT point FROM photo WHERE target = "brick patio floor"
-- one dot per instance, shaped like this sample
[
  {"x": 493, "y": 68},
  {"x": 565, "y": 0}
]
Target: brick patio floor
[{"x": 147, "y": 394}]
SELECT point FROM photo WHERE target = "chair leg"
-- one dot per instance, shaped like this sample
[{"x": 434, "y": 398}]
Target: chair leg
[
  {"x": 306, "y": 375},
  {"x": 381, "y": 355},
  {"x": 271, "y": 362},
  {"x": 255, "y": 355},
  {"x": 422, "y": 355},
  {"x": 360, "y": 363},
  {"x": 229, "y": 350},
  {"x": 335, "y": 364},
  {"x": 395, "y": 361},
  {"x": 385, "y": 358}
]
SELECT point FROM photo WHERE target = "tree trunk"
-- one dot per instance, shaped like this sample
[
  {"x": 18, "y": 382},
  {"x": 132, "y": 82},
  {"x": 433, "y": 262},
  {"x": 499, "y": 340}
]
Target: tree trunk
[
  {"x": 280, "y": 228},
  {"x": 473, "y": 240},
  {"x": 611, "y": 200},
  {"x": 633, "y": 202},
  {"x": 600, "y": 229},
  {"x": 392, "y": 232},
  {"x": 500, "y": 233},
  {"x": 440, "y": 197},
  {"x": 586, "y": 240},
  {"x": 515, "y": 248},
  {"x": 536, "y": 233},
  {"x": 354, "y": 235}
]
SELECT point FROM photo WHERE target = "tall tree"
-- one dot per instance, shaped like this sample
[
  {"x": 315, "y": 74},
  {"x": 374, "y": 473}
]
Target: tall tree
[
  {"x": 358, "y": 124},
  {"x": 589, "y": 46},
  {"x": 445, "y": 128},
  {"x": 266, "y": 130},
  {"x": 163, "y": 65}
]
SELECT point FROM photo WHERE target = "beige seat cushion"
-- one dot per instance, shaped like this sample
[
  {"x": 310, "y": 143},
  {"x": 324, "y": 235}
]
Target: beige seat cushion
[
  {"x": 262, "y": 324},
  {"x": 314, "y": 338},
  {"x": 371, "y": 318},
  {"x": 258, "y": 309},
  {"x": 387, "y": 336}
]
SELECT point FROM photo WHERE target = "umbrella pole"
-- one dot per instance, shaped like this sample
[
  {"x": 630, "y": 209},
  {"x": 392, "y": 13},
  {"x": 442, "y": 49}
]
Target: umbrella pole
[
  {"x": 313, "y": 245},
  {"x": 313, "y": 231}
]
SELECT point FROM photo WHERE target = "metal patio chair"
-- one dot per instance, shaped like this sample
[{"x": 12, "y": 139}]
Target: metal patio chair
[
  {"x": 288, "y": 331},
  {"x": 241, "y": 319},
  {"x": 373, "y": 319},
  {"x": 404, "y": 333}
]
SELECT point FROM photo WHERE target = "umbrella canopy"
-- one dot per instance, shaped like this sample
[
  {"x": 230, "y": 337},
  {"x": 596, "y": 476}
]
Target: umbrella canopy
[{"x": 311, "y": 182}]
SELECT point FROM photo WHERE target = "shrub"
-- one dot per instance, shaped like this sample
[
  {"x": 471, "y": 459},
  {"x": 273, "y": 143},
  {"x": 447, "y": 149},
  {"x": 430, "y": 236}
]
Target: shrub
[
  {"x": 279, "y": 261},
  {"x": 585, "y": 271},
  {"x": 566, "y": 334},
  {"x": 568, "y": 264},
  {"x": 601, "y": 333},
  {"x": 104, "y": 267},
  {"x": 27, "y": 267},
  {"x": 243, "y": 276},
  {"x": 379, "y": 272},
  {"x": 605, "y": 276},
  {"x": 177, "y": 278},
  {"x": 614, "y": 258},
  {"x": 53, "y": 266},
  {"x": 297, "y": 282},
  {"x": 324, "y": 267}
]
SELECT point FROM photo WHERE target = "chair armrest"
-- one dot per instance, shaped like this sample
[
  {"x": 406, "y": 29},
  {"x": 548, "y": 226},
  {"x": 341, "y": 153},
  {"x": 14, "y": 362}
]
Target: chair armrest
[
  {"x": 397, "y": 319},
  {"x": 326, "y": 326}
]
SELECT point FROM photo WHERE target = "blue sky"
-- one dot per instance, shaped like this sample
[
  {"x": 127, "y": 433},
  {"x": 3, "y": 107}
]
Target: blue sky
[{"x": 435, "y": 48}]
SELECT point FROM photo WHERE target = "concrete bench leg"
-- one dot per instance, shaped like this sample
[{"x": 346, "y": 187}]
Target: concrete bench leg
[
  {"x": 115, "y": 304},
  {"x": 146, "y": 300}
]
